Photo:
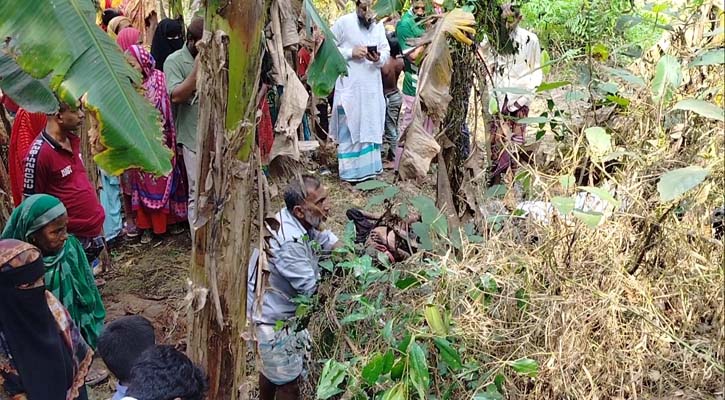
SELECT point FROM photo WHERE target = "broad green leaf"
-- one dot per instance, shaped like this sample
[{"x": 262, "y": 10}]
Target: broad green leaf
[
  {"x": 602, "y": 194},
  {"x": 712, "y": 57},
  {"x": 701, "y": 107},
  {"x": 600, "y": 142},
  {"x": 546, "y": 86},
  {"x": 545, "y": 62},
  {"x": 589, "y": 218},
  {"x": 600, "y": 51},
  {"x": 373, "y": 369},
  {"x": 491, "y": 393},
  {"x": 567, "y": 181},
  {"x": 328, "y": 63},
  {"x": 434, "y": 320},
  {"x": 333, "y": 374},
  {"x": 668, "y": 76},
  {"x": 403, "y": 210},
  {"x": 526, "y": 366},
  {"x": 608, "y": 87},
  {"x": 563, "y": 204},
  {"x": 407, "y": 282},
  {"x": 371, "y": 185},
  {"x": 533, "y": 120},
  {"x": 61, "y": 41},
  {"x": 418, "y": 370},
  {"x": 426, "y": 207},
  {"x": 397, "y": 392},
  {"x": 626, "y": 76},
  {"x": 674, "y": 184},
  {"x": 398, "y": 368},
  {"x": 388, "y": 331},
  {"x": 575, "y": 95},
  {"x": 385, "y": 8},
  {"x": 495, "y": 192},
  {"x": 423, "y": 231},
  {"x": 32, "y": 94},
  {"x": 388, "y": 360},
  {"x": 618, "y": 100},
  {"x": 448, "y": 353}
]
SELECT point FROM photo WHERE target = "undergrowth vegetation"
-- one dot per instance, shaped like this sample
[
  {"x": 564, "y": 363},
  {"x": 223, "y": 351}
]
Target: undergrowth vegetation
[{"x": 596, "y": 272}]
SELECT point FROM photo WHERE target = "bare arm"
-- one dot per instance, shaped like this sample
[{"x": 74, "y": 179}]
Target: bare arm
[{"x": 185, "y": 90}]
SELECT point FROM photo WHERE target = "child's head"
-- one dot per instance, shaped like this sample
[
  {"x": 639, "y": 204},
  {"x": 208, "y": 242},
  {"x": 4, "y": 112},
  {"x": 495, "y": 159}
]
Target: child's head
[
  {"x": 164, "y": 373},
  {"x": 122, "y": 342}
]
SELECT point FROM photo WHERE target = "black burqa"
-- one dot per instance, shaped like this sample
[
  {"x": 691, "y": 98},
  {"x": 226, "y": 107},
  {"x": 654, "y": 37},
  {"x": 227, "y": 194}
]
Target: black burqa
[
  {"x": 168, "y": 38},
  {"x": 43, "y": 360}
]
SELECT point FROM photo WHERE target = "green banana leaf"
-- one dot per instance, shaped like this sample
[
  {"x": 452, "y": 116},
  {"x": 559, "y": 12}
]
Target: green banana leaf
[
  {"x": 329, "y": 63},
  {"x": 24, "y": 89},
  {"x": 386, "y": 8},
  {"x": 58, "y": 39}
]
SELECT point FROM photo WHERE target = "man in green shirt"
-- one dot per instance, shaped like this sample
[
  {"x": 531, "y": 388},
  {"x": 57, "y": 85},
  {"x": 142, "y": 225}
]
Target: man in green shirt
[{"x": 181, "y": 69}]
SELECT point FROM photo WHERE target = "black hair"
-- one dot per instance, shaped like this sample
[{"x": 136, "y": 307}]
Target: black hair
[
  {"x": 394, "y": 44},
  {"x": 164, "y": 373},
  {"x": 108, "y": 15},
  {"x": 123, "y": 341},
  {"x": 295, "y": 194}
]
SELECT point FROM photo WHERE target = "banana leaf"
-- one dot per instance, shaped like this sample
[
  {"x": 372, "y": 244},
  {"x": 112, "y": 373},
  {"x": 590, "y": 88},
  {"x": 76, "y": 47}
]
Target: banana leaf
[
  {"x": 386, "y": 8},
  {"x": 434, "y": 84},
  {"x": 24, "y": 89},
  {"x": 437, "y": 67},
  {"x": 58, "y": 39},
  {"x": 329, "y": 63}
]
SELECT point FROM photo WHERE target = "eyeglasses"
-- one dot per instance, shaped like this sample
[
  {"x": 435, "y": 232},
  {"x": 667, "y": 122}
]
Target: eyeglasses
[{"x": 419, "y": 8}]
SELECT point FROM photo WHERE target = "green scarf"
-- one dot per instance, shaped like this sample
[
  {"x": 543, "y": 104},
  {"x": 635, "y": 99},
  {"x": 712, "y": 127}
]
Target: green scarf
[{"x": 67, "y": 274}]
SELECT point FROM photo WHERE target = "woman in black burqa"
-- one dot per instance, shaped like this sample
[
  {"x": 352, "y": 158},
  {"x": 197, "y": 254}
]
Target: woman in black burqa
[{"x": 168, "y": 38}]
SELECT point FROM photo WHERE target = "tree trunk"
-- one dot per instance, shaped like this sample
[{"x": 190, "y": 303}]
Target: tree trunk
[
  {"x": 455, "y": 142},
  {"x": 229, "y": 72}
]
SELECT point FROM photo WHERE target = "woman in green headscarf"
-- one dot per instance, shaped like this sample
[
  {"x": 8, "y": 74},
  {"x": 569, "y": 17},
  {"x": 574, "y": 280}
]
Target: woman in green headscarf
[{"x": 41, "y": 220}]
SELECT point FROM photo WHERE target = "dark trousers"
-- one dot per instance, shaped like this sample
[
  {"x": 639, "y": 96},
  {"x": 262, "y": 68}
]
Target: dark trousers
[{"x": 270, "y": 391}]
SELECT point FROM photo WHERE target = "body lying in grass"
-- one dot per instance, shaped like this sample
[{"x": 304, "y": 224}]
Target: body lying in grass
[{"x": 387, "y": 233}]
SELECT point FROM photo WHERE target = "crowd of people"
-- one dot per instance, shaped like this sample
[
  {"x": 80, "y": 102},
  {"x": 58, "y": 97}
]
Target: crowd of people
[
  {"x": 52, "y": 320},
  {"x": 53, "y": 316}
]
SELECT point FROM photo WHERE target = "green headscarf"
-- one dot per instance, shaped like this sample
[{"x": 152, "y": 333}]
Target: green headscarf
[{"x": 67, "y": 274}]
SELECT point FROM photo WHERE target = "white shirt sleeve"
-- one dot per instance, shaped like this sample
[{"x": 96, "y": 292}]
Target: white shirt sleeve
[{"x": 339, "y": 31}]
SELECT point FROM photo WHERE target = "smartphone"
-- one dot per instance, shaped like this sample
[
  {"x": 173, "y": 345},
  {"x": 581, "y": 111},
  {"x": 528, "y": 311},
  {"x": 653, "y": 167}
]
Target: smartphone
[{"x": 372, "y": 49}]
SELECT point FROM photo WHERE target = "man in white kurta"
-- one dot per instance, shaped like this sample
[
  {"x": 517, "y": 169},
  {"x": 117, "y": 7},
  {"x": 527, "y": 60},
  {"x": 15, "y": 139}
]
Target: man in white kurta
[
  {"x": 521, "y": 70},
  {"x": 358, "y": 117}
]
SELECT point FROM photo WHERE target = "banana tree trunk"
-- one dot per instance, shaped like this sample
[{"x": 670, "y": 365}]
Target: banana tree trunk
[
  {"x": 229, "y": 73},
  {"x": 454, "y": 143}
]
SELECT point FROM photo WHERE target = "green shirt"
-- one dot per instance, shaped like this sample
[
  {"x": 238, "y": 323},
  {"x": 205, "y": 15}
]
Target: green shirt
[
  {"x": 186, "y": 115},
  {"x": 406, "y": 30}
]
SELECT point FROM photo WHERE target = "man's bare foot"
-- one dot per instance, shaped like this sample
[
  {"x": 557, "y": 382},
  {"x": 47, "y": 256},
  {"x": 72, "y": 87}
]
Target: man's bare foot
[{"x": 389, "y": 165}]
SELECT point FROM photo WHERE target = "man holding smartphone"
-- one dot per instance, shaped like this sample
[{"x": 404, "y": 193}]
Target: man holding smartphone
[{"x": 358, "y": 117}]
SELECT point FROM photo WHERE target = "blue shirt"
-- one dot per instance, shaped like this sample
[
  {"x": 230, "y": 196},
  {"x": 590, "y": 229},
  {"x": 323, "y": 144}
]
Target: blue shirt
[{"x": 293, "y": 268}]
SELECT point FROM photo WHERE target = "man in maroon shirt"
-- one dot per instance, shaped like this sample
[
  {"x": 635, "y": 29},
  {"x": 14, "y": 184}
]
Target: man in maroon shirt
[{"x": 54, "y": 166}]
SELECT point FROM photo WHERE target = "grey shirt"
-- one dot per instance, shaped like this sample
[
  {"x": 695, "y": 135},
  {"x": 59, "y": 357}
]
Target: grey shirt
[{"x": 293, "y": 269}]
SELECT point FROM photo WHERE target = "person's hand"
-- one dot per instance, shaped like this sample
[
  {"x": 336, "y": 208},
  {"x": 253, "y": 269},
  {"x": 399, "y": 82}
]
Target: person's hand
[
  {"x": 374, "y": 57},
  {"x": 359, "y": 52}
]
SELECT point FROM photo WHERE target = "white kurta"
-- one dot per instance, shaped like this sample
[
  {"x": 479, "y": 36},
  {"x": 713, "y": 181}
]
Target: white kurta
[
  {"x": 521, "y": 70},
  {"x": 361, "y": 92}
]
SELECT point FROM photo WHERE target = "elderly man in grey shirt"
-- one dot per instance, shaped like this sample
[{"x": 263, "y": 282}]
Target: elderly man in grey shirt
[{"x": 295, "y": 248}]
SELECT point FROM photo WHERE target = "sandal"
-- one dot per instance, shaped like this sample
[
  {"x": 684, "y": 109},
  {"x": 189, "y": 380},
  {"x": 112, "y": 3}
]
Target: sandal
[
  {"x": 176, "y": 230},
  {"x": 96, "y": 376},
  {"x": 146, "y": 237},
  {"x": 132, "y": 232}
]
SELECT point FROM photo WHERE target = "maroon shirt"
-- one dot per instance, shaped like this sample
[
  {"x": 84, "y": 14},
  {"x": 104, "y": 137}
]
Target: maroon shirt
[{"x": 51, "y": 169}]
